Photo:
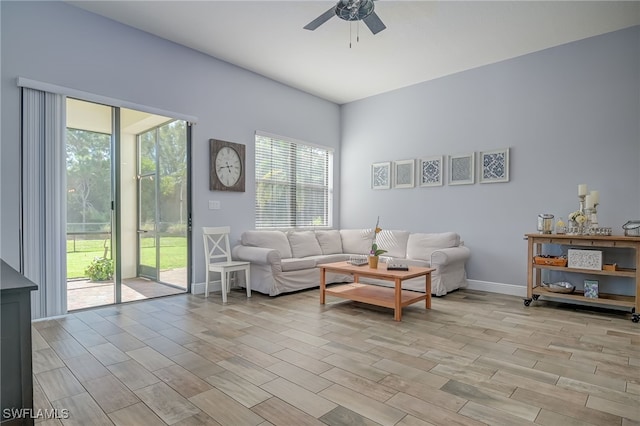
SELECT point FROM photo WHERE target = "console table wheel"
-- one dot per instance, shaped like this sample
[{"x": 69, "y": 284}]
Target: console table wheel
[
  {"x": 535, "y": 296},
  {"x": 635, "y": 317},
  {"x": 527, "y": 302}
]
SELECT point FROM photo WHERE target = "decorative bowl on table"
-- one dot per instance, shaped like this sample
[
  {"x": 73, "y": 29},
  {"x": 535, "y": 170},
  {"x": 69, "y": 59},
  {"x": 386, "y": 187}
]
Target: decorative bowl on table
[{"x": 559, "y": 287}]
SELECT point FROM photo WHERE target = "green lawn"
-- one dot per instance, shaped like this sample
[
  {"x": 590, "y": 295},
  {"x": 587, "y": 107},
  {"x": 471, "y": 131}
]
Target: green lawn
[{"x": 173, "y": 254}]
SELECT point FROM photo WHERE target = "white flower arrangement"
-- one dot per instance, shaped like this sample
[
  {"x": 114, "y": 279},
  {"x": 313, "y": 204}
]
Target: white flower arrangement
[{"x": 578, "y": 217}]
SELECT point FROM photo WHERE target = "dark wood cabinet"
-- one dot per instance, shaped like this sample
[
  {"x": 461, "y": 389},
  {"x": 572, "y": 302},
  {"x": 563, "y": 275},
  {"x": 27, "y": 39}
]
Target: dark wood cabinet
[{"x": 16, "y": 391}]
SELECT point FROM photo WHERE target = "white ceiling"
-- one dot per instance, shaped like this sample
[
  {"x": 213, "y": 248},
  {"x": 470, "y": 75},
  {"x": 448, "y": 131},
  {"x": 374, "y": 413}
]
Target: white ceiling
[{"x": 424, "y": 40}]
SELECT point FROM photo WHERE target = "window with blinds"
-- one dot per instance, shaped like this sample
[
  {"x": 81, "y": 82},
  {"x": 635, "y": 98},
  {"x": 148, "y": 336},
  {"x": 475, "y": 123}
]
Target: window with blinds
[{"x": 293, "y": 183}]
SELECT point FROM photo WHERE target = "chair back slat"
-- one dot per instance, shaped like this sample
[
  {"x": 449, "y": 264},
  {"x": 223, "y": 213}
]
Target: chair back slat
[{"x": 216, "y": 243}]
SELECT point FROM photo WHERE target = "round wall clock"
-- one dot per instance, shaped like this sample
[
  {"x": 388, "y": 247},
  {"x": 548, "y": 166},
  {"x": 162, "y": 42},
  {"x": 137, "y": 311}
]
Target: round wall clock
[{"x": 227, "y": 169}]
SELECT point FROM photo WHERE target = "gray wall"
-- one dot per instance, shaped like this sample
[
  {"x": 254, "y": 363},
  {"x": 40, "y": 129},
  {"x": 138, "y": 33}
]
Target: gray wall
[
  {"x": 59, "y": 44},
  {"x": 569, "y": 114}
]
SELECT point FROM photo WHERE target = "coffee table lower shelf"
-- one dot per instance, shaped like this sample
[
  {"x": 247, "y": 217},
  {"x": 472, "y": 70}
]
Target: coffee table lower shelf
[{"x": 375, "y": 294}]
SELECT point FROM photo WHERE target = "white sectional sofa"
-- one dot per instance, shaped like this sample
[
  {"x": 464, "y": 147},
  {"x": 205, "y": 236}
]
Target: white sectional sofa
[{"x": 283, "y": 262}]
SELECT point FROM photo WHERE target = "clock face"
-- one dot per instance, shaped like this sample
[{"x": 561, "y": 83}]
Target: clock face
[{"x": 228, "y": 166}]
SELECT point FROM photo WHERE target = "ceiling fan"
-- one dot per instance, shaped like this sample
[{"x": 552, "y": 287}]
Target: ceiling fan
[{"x": 351, "y": 10}]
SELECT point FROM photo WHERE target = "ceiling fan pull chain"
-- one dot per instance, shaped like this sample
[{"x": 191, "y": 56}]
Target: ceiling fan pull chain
[
  {"x": 350, "y": 33},
  {"x": 358, "y": 31}
]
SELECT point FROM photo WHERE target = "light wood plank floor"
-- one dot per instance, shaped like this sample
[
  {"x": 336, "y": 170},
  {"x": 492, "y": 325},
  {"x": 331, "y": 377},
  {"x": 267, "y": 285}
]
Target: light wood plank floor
[{"x": 475, "y": 358}]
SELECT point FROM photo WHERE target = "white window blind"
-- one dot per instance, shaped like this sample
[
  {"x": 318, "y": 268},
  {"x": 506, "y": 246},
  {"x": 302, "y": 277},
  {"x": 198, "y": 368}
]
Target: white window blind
[
  {"x": 293, "y": 183},
  {"x": 44, "y": 195}
]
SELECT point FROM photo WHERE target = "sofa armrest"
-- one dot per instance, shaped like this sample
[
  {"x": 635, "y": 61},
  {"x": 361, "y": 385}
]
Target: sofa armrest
[
  {"x": 448, "y": 256},
  {"x": 260, "y": 255}
]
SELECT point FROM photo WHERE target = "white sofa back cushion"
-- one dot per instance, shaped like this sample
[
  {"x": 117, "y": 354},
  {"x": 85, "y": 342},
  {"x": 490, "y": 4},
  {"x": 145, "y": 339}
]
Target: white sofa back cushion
[
  {"x": 330, "y": 241},
  {"x": 356, "y": 241},
  {"x": 394, "y": 242},
  {"x": 421, "y": 246},
  {"x": 276, "y": 240},
  {"x": 303, "y": 243}
]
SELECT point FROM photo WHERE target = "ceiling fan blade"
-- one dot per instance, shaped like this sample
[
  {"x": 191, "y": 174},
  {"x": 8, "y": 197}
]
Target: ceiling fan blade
[
  {"x": 321, "y": 19},
  {"x": 374, "y": 23}
]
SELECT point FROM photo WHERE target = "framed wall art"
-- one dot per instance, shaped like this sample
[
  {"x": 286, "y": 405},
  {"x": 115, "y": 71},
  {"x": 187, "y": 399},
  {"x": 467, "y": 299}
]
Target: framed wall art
[
  {"x": 381, "y": 175},
  {"x": 494, "y": 166},
  {"x": 404, "y": 172},
  {"x": 430, "y": 171},
  {"x": 462, "y": 169},
  {"x": 591, "y": 288}
]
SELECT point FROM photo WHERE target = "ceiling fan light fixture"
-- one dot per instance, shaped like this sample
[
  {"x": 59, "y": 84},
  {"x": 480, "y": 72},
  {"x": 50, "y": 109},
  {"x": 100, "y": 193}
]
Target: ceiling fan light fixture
[
  {"x": 354, "y": 10},
  {"x": 351, "y": 10}
]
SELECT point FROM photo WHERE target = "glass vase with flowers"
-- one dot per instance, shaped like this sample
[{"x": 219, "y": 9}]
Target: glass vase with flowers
[{"x": 577, "y": 222}]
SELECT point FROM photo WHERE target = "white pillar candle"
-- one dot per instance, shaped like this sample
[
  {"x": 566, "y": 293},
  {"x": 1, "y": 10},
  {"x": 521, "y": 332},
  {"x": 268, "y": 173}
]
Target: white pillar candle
[
  {"x": 582, "y": 189},
  {"x": 589, "y": 201},
  {"x": 595, "y": 197}
]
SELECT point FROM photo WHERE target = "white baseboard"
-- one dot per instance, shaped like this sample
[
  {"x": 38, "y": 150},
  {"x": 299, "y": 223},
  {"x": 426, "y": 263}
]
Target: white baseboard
[{"x": 491, "y": 287}]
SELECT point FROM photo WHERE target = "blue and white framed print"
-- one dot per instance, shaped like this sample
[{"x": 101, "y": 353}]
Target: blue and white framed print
[
  {"x": 404, "y": 173},
  {"x": 462, "y": 169},
  {"x": 381, "y": 175},
  {"x": 494, "y": 166},
  {"x": 431, "y": 171}
]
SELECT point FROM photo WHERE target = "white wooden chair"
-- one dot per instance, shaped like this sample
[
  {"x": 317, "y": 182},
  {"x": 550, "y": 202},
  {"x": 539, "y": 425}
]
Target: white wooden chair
[{"x": 218, "y": 259}]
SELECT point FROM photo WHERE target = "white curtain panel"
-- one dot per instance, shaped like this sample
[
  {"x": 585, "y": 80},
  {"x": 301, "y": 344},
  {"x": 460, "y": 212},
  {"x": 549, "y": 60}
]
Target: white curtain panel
[{"x": 44, "y": 195}]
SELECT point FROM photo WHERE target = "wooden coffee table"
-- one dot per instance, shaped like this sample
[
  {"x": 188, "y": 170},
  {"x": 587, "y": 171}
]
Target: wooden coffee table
[{"x": 395, "y": 298}]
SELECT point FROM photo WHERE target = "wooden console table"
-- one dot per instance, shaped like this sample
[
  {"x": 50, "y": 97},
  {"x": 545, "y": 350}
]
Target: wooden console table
[
  {"x": 534, "y": 271},
  {"x": 395, "y": 298}
]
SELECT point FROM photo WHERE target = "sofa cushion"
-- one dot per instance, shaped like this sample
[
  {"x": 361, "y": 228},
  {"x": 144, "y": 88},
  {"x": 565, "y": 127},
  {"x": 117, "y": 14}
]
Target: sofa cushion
[
  {"x": 276, "y": 240},
  {"x": 356, "y": 241},
  {"x": 394, "y": 242},
  {"x": 303, "y": 243},
  {"x": 293, "y": 264},
  {"x": 330, "y": 241},
  {"x": 421, "y": 246},
  {"x": 329, "y": 258}
]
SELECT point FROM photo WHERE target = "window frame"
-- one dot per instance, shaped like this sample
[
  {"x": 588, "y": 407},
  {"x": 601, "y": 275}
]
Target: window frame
[{"x": 291, "y": 185}]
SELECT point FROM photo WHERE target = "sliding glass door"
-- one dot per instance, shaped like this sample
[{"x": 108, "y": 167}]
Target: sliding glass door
[
  {"x": 127, "y": 203},
  {"x": 90, "y": 242},
  {"x": 162, "y": 204}
]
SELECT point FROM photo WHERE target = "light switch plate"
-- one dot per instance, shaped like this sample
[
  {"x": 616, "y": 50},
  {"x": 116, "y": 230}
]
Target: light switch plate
[{"x": 214, "y": 205}]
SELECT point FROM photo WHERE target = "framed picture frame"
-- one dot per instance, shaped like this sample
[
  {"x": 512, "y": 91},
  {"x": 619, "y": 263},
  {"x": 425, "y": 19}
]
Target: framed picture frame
[
  {"x": 462, "y": 169},
  {"x": 494, "y": 166},
  {"x": 430, "y": 171},
  {"x": 381, "y": 175},
  {"x": 591, "y": 288},
  {"x": 404, "y": 173}
]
